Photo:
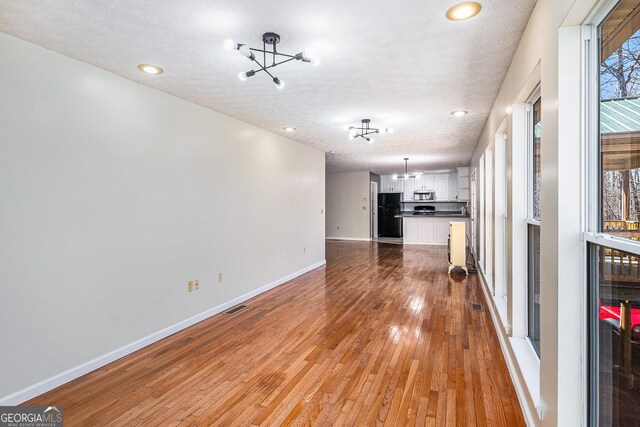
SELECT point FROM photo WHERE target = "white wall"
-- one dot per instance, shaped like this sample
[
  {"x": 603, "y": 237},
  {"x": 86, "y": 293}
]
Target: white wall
[
  {"x": 348, "y": 205},
  {"x": 560, "y": 375},
  {"x": 115, "y": 195}
]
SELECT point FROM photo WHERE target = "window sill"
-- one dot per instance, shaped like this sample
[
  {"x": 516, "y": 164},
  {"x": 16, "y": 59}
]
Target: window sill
[{"x": 529, "y": 365}]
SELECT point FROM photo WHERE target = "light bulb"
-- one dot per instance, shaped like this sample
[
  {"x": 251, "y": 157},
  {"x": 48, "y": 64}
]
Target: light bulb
[
  {"x": 242, "y": 76},
  {"x": 150, "y": 69},
  {"x": 389, "y": 130},
  {"x": 394, "y": 177},
  {"x": 244, "y": 49},
  {"x": 230, "y": 44},
  {"x": 351, "y": 137},
  {"x": 370, "y": 140},
  {"x": 316, "y": 61},
  {"x": 463, "y": 12},
  {"x": 279, "y": 83}
]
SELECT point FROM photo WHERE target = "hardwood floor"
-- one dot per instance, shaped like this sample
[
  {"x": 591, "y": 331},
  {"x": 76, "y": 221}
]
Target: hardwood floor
[{"x": 381, "y": 336}]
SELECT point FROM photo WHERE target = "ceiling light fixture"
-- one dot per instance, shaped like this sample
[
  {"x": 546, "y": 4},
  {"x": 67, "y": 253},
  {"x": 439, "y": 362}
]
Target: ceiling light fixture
[
  {"x": 459, "y": 113},
  {"x": 271, "y": 39},
  {"x": 463, "y": 11},
  {"x": 364, "y": 130},
  {"x": 150, "y": 69},
  {"x": 289, "y": 129},
  {"x": 407, "y": 175}
]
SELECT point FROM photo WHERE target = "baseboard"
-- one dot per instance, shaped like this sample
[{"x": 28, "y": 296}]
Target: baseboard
[
  {"x": 64, "y": 377},
  {"x": 522, "y": 391},
  {"x": 355, "y": 239}
]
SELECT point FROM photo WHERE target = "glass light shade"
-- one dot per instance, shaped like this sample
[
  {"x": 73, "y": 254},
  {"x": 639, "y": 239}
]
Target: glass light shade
[
  {"x": 244, "y": 49},
  {"x": 230, "y": 44}
]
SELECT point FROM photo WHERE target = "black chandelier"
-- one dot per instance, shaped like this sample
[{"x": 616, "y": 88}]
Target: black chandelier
[
  {"x": 365, "y": 129},
  {"x": 270, "y": 39}
]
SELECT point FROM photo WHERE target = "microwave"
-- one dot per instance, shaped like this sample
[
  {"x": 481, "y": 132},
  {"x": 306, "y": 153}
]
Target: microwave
[{"x": 421, "y": 195}]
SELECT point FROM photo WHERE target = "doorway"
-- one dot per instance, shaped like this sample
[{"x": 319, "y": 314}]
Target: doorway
[{"x": 373, "y": 199}]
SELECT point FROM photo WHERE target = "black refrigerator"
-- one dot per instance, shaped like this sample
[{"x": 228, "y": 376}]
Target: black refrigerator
[{"x": 389, "y": 205}]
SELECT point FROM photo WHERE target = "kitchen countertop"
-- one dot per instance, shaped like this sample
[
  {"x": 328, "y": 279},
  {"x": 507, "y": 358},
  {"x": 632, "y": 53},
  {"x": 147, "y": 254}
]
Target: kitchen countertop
[{"x": 440, "y": 214}]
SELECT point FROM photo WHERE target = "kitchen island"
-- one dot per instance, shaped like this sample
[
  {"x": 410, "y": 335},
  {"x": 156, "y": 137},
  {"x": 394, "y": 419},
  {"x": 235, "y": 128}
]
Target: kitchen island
[{"x": 431, "y": 229}]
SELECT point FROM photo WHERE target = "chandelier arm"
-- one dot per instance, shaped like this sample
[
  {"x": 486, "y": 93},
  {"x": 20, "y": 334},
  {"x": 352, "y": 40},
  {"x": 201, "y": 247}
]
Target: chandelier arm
[
  {"x": 281, "y": 62},
  {"x": 262, "y": 68},
  {"x": 268, "y": 51}
]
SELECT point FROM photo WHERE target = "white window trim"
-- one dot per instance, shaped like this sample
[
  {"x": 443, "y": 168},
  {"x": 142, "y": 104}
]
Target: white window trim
[
  {"x": 533, "y": 98},
  {"x": 591, "y": 181},
  {"x": 530, "y": 220}
]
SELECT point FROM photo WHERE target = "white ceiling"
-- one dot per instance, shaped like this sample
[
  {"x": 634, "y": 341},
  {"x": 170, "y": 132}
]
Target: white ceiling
[{"x": 400, "y": 63}]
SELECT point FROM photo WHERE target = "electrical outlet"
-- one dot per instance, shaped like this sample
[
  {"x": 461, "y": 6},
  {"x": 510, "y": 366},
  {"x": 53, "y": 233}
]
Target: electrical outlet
[
  {"x": 190, "y": 286},
  {"x": 196, "y": 284},
  {"x": 220, "y": 277}
]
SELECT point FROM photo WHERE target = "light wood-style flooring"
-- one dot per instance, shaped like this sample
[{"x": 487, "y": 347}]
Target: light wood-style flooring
[{"x": 380, "y": 336}]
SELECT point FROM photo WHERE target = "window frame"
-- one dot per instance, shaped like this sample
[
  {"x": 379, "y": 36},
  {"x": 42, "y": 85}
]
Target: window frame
[
  {"x": 591, "y": 208},
  {"x": 533, "y": 98},
  {"x": 530, "y": 220}
]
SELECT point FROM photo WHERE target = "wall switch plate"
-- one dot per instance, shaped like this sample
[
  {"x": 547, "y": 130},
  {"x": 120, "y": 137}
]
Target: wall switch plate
[
  {"x": 220, "y": 277},
  {"x": 196, "y": 284},
  {"x": 190, "y": 286}
]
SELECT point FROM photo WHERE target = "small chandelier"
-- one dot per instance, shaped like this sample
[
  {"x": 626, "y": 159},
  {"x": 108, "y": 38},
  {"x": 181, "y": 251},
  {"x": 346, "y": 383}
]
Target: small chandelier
[
  {"x": 271, "y": 39},
  {"x": 364, "y": 130},
  {"x": 406, "y": 175}
]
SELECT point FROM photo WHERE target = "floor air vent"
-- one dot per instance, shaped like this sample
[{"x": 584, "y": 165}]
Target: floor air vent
[
  {"x": 235, "y": 309},
  {"x": 476, "y": 307}
]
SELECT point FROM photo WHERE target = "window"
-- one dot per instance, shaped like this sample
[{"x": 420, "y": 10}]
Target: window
[
  {"x": 533, "y": 220},
  {"x": 613, "y": 262}
]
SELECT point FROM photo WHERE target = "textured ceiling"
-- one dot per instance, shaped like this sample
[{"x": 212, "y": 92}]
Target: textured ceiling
[{"x": 400, "y": 63}]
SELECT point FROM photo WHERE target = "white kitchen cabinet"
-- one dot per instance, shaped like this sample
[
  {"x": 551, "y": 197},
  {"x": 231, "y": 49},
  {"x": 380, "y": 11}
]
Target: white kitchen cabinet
[
  {"x": 463, "y": 183},
  {"x": 390, "y": 185},
  {"x": 442, "y": 231},
  {"x": 409, "y": 187},
  {"x": 435, "y": 182},
  {"x": 428, "y": 230},
  {"x": 441, "y": 186},
  {"x": 428, "y": 182},
  {"x": 411, "y": 230}
]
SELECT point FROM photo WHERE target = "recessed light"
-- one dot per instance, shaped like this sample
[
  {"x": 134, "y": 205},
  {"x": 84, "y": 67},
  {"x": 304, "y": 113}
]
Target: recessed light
[
  {"x": 150, "y": 69},
  {"x": 463, "y": 11},
  {"x": 459, "y": 113},
  {"x": 289, "y": 129},
  {"x": 332, "y": 152}
]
